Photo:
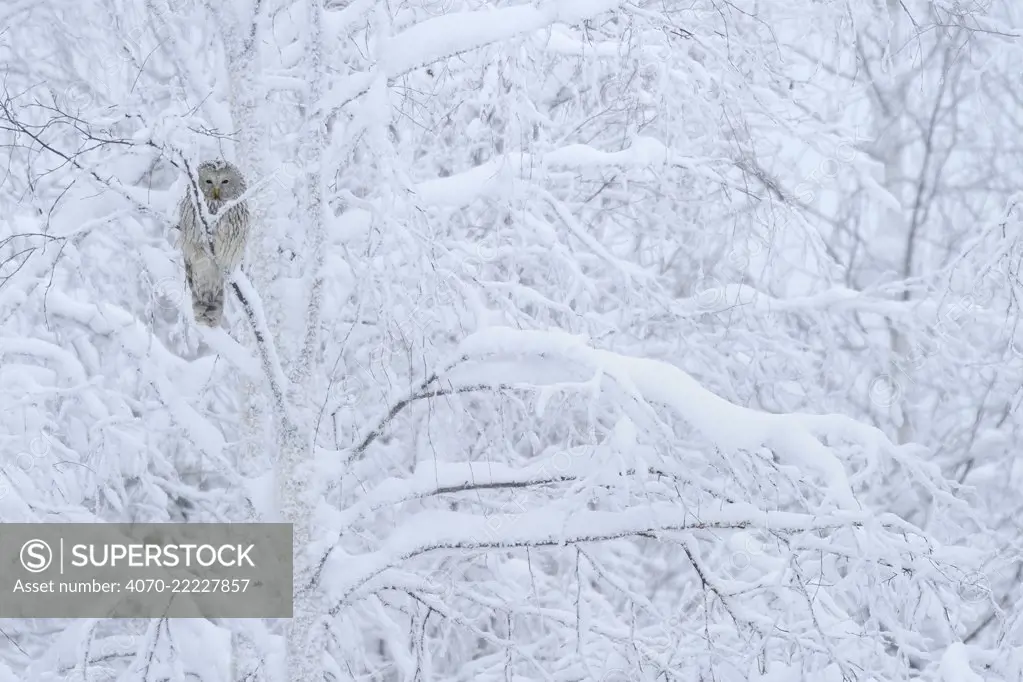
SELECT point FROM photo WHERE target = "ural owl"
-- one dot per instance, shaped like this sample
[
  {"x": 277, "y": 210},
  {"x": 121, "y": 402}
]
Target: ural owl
[{"x": 206, "y": 271}]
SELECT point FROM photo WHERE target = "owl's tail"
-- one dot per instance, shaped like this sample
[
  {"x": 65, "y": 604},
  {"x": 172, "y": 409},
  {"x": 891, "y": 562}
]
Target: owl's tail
[
  {"x": 207, "y": 297},
  {"x": 208, "y": 307}
]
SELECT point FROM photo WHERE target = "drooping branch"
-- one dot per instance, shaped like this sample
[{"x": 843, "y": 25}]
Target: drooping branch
[
  {"x": 247, "y": 296},
  {"x": 551, "y": 527},
  {"x": 464, "y": 477}
]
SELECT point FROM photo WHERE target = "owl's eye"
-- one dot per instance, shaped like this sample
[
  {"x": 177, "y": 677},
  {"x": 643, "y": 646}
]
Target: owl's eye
[
  {"x": 224, "y": 181},
  {"x": 208, "y": 181}
]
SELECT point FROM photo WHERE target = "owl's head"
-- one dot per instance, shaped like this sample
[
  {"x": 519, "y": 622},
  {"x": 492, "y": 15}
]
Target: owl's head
[{"x": 220, "y": 181}]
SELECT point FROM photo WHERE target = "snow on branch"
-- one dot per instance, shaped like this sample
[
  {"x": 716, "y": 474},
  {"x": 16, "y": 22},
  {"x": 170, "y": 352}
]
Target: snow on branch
[
  {"x": 458, "y": 32},
  {"x": 155, "y": 362},
  {"x": 728, "y": 426},
  {"x": 69, "y": 364},
  {"x": 272, "y": 369},
  {"x": 463, "y": 188},
  {"x": 837, "y": 299},
  {"x": 440, "y": 478},
  {"x": 554, "y": 525}
]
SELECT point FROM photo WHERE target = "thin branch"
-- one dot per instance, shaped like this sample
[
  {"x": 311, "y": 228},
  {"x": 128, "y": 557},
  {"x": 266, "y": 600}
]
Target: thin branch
[{"x": 419, "y": 394}]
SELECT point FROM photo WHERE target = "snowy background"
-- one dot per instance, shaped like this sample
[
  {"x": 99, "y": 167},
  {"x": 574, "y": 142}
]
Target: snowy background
[{"x": 587, "y": 340}]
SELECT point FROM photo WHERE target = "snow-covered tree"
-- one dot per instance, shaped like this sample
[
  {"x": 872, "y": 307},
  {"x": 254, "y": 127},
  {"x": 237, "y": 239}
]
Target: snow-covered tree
[{"x": 556, "y": 338}]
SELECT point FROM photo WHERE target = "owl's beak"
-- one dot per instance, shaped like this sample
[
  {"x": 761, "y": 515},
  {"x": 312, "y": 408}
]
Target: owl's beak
[{"x": 216, "y": 193}]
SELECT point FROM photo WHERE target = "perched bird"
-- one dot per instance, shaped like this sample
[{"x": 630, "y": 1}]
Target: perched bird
[{"x": 210, "y": 257}]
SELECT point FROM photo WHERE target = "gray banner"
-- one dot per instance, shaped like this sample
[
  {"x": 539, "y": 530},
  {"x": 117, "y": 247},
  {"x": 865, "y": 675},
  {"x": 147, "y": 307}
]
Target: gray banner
[{"x": 146, "y": 570}]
